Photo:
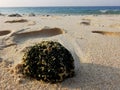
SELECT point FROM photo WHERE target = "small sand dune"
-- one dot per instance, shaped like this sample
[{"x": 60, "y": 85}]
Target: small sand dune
[
  {"x": 85, "y": 22},
  {"x": 22, "y": 36},
  {"x": 2, "y": 33},
  {"x": 17, "y": 21},
  {"x": 107, "y": 33},
  {"x": 46, "y": 32},
  {"x": 14, "y": 15}
]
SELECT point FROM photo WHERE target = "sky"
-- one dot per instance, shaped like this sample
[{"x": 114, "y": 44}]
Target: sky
[{"x": 27, "y": 3}]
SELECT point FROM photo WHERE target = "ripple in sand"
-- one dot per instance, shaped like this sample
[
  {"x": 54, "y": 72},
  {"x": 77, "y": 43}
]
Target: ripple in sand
[
  {"x": 14, "y": 15},
  {"x": 46, "y": 32},
  {"x": 117, "y": 34},
  {"x": 43, "y": 32},
  {"x": 2, "y": 33},
  {"x": 17, "y": 21},
  {"x": 85, "y": 22}
]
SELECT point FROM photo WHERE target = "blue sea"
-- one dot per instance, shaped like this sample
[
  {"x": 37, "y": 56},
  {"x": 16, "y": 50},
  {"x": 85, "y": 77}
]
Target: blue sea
[{"x": 62, "y": 10}]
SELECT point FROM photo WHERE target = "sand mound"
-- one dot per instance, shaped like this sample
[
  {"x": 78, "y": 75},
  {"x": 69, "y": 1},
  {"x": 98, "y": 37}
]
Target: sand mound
[
  {"x": 46, "y": 32},
  {"x": 17, "y": 21},
  {"x": 14, "y": 15},
  {"x": 2, "y": 33},
  {"x": 107, "y": 33},
  {"x": 22, "y": 36},
  {"x": 85, "y": 22}
]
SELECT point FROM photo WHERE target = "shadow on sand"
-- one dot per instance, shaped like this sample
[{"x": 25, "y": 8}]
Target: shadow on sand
[{"x": 93, "y": 77}]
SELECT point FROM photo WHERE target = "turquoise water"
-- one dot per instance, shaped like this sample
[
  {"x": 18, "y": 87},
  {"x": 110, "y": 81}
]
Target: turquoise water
[{"x": 62, "y": 10}]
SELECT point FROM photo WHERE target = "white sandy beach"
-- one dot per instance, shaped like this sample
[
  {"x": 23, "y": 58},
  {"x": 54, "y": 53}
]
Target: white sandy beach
[{"x": 94, "y": 42}]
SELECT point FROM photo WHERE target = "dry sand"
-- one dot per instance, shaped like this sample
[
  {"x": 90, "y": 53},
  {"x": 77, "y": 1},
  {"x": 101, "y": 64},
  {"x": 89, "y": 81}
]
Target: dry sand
[{"x": 93, "y": 41}]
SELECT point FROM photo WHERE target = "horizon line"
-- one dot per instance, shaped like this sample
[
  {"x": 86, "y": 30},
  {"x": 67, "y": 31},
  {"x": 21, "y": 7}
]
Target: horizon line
[{"x": 62, "y": 6}]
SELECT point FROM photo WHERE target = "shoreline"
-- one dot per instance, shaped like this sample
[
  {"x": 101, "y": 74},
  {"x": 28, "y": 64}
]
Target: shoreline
[{"x": 31, "y": 14}]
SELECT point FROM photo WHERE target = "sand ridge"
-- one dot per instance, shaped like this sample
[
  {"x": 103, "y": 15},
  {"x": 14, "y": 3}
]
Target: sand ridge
[
  {"x": 17, "y": 21},
  {"x": 22, "y": 35},
  {"x": 5, "y": 32},
  {"x": 115, "y": 34},
  {"x": 51, "y": 31},
  {"x": 20, "y": 21},
  {"x": 85, "y": 22}
]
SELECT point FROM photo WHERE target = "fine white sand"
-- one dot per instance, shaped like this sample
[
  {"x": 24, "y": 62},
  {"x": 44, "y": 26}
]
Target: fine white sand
[{"x": 94, "y": 42}]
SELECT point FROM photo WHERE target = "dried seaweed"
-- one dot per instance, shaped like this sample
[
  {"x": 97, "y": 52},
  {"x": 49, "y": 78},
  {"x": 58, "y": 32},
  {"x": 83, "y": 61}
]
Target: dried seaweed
[{"x": 48, "y": 61}]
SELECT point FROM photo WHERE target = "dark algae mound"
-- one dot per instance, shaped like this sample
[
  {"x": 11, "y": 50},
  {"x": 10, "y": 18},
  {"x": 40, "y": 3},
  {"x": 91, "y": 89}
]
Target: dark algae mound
[{"x": 48, "y": 61}]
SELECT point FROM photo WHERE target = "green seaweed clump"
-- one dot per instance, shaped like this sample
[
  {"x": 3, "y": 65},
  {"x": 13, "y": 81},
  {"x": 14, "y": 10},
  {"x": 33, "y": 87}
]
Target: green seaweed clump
[{"x": 48, "y": 61}]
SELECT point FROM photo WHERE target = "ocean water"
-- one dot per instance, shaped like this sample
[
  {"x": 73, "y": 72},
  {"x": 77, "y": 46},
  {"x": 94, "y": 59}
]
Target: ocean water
[{"x": 62, "y": 10}]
